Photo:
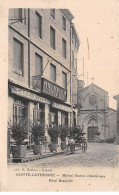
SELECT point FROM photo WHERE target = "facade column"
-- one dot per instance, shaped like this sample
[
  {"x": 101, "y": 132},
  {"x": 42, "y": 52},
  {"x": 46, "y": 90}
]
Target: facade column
[
  {"x": 59, "y": 123},
  {"x": 69, "y": 119},
  {"x": 59, "y": 117},
  {"x": 47, "y": 110},
  {"x": 30, "y": 118}
]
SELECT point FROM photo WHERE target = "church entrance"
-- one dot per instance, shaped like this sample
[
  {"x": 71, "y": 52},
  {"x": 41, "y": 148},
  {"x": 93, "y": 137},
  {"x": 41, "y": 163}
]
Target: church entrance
[{"x": 92, "y": 130}]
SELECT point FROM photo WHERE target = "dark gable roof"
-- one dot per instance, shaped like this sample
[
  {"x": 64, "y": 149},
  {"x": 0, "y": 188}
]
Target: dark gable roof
[
  {"x": 95, "y": 86},
  {"x": 116, "y": 97},
  {"x": 67, "y": 14}
]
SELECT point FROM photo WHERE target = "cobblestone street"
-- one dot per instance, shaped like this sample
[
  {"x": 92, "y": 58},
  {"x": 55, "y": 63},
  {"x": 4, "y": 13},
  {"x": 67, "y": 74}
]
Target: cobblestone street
[{"x": 97, "y": 154}]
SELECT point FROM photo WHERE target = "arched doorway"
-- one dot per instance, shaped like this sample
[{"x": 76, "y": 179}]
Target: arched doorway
[{"x": 92, "y": 130}]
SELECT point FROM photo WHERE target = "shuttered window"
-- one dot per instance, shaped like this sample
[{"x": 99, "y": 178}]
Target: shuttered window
[
  {"x": 64, "y": 80},
  {"x": 18, "y": 56},
  {"x": 18, "y": 14},
  {"x": 52, "y": 73},
  {"x": 64, "y": 48},
  {"x": 38, "y": 64},
  {"x": 38, "y": 25},
  {"x": 52, "y": 37}
]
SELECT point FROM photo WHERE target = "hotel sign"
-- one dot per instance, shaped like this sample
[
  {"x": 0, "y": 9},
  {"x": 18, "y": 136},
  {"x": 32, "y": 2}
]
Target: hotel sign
[
  {"x": 53, "y": 90},
  {"x": 61, "y": 107},
  {"x": 28, "y": 95}
]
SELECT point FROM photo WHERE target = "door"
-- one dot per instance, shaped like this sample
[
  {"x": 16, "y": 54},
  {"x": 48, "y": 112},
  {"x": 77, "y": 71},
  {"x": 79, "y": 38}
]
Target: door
[{"x": 92, "y": 131}]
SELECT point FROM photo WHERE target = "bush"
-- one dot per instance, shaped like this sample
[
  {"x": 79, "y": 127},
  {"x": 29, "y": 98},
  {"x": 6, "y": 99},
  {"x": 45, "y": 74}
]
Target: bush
[
  {"x": 19, "y": 131},
  {"x": 38, "y": 133},
  {"x": 53, "y": 132},
  {"x": 110, "y": 140},
  {"x": 63, "y": 132}
]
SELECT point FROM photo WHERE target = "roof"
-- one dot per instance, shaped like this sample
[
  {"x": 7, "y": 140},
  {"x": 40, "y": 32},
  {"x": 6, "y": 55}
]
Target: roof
[
  {"x": 95, "y": 86},
  {"x": 116, "y": 97},
  {"x": 67, "y": 14}
]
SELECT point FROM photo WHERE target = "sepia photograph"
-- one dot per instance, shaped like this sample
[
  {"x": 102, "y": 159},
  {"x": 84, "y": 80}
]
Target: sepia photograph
[{"x": 62, "y": 113}]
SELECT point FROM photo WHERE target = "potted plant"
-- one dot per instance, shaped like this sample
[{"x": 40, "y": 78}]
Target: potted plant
[
  {"x": 19, "y": 132},
  {"x": 38, "y": 133},
  {"x": 63, "y": 135},
  {"x": 53, "y": 132}
]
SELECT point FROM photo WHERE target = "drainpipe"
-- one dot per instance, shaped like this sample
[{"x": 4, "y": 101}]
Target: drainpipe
[
  {"x": 71, "y": 74},
  {"x": 29, "y": 47}
]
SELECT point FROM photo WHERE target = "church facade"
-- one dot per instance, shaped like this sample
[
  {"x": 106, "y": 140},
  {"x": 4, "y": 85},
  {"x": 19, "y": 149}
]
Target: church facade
[{"x": 95, "y": 117}]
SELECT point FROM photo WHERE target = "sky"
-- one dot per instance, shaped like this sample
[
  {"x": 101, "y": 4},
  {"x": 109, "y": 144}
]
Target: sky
[{"x": 98, "y": 21}]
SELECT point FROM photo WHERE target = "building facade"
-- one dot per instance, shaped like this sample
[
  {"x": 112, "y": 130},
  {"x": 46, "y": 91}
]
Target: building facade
[
  {"x": 96, "y": 119},
  {"x": 40, "y": 68}
]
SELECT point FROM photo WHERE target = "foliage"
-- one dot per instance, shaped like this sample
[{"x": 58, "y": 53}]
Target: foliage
[
  {"x": 38, "y": 132},
  {"x": 110, "y": 140},
  {"x": 53, "y": 132},
  {"x": 75, "y": 131},
  {"x": 19, "y": 130},
  {"x": 64, "y": 131}
]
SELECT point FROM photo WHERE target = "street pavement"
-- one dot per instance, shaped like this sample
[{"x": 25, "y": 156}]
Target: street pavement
[{"x": 97, "y": 154}]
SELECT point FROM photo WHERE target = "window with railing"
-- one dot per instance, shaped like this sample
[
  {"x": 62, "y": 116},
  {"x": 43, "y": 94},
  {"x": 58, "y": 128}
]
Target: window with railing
[
  {"x": 52, "y": 73},
  {"x": 38, "y": 64},
  {"x": 20, "y": 15}
]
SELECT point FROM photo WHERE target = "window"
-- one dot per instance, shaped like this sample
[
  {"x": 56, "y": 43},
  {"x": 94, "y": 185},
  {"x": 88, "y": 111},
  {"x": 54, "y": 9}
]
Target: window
[
  {"x": 63, "y": 48},
  {"x": 25, "y": 16},
  {"x": 18, "y": 111},
  {"x": 73, "y": 58},
  {"x": 38, "y": 64},
  {"x": 64, "y": 80},
  {"x": 18, "y": 14},
  {"x": 18, "y": 56},
  {"x": 64, "y": 23},
  {"x": 52, "y": 37},
  {"x": 38, "y": 25},
  {"x": 52, "y": 13},
  {"x": 38, "y": 114},
  {"x": 52, "y": 73}
]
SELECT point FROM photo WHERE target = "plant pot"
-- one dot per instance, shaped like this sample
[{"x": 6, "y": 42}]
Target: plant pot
[
  {"x": 18, "y": 151},
  {"x": 63, "y": 145},
  {"x": 53, "y": 147},
  {"x": 37, "y": 149}
]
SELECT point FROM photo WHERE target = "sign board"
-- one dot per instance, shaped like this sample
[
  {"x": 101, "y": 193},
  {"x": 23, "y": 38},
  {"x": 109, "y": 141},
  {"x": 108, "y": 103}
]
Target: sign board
[
  {"x": 61, "y": 107},
  {"x": 28, "y": 95},
  {"x": 54, "y": 90}
]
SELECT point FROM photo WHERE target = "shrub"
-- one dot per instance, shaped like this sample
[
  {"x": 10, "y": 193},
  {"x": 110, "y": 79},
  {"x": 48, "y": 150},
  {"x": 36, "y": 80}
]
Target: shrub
[
  {"x": 38, "y": 133},
  {"x": 19, "y": 131},
  {"x": 53, "y": 132},
  {"x": 63, "y": 132},
  {"x": 110, "y": 140}
]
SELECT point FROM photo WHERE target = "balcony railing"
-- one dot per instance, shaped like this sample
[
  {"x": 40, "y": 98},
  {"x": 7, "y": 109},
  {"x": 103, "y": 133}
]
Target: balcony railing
[
  {"x": 54, "y": 90},
  {"x": 45, "y": 86},
  {"x": 36, "y": 83}
]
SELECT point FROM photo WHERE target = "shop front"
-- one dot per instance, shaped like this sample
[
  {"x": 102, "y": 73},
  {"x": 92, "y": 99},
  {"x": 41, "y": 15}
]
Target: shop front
[{"x": 30, "y": 105}]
